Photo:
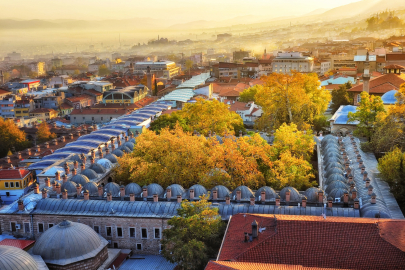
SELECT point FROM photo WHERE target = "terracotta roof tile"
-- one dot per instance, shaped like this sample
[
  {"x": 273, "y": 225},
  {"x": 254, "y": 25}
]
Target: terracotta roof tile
[
  {"x": 382, "y": 84},
  {"x": 43, "y": 110},
  {"x": 226, "y": 265},
  {"x": 23, "y": 244},
  {"x": 312, "y": 241},
  {"x": 13, "y": 173},
  {"x": 395, "y": 56}
]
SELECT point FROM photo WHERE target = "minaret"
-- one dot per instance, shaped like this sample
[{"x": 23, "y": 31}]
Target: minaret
[{"x": 149, "y": 79}]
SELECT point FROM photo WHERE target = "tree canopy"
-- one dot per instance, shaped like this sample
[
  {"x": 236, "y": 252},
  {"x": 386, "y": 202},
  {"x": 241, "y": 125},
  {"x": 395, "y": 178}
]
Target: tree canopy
[
  {"x": 296, "y": 98},
  {"x": 11, "y": 137},
  {"x": 169, "y": 121},
  {"x": 177, "y": 157},
  {"x": 103, "y": 70},
  {"x": 44, "y": 133},
  {"x": 205, "y": 116},
  {"x": 366, "y": 113},
  {"x": 341, "y": 97},
  {"x": 249, "y": 94},
  {"x": 195, "y": 235}
]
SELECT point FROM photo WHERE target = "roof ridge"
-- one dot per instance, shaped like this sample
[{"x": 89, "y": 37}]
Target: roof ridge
[{"x": 225, "y": 266}]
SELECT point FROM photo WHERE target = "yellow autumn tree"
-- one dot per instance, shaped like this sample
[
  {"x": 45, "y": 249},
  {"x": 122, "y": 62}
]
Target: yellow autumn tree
[
  {"x": 205, "y": 116},
  {"x": 297, "y": 98},
  {"x": 44, "y": 133},
  {"x": 11, "y": 137}
]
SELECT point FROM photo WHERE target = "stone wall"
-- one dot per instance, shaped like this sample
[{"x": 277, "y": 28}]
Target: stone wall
[{"x": 89, "y": 264}]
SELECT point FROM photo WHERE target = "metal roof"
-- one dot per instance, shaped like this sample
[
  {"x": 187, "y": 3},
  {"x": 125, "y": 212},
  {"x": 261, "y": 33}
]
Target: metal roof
[
  {"x": 389, "y": 97},
  {"x": 150, "y": 262},
  {"x": 13, "y": 258},
  {"x": 75, "y": 149},
  {"x": 107, "y": 131}
]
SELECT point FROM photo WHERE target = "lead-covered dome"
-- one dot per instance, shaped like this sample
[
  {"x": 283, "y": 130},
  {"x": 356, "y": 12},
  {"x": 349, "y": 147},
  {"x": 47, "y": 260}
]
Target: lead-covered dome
[
  {"x": 12, "y": 258},
  {"x": 118, "y": 153},
  {"x": 199, "y": 190},
  {"x": 69, "y": 242},
  {"x": 133, "y": 188},
  {"x": 111, "y": 157},
  {"x": 97, "y": 168},
  {"x": 270, "y": 194},
  {"x": 246, "y": 193},
  {"x": 222, "y": 192},
  {"x": 176, "y": 189},
  {"x": 70, "y": 187},
  {"x": 312, "y": 194},
  {"x": 80, "y": 179},
  {"x": 90, "y": 174},
  {"x": 92, "y": 188},
  {"x": 294, "y": 194},
  {"x": 112, "y": 188}
]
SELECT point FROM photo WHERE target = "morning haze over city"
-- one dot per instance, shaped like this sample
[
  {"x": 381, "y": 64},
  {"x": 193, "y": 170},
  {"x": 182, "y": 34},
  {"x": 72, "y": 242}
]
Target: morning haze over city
[{"x": 202, "y": 135}]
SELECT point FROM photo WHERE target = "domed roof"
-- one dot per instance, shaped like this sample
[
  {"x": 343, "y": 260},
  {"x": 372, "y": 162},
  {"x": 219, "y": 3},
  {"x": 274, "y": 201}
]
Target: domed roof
[
  {"x": 112, "y": 157},
  {"x": 334, "y": 164},
  {"x": 97, "y": 168},
  {"x": 294, "y": 194},
  {"x": 133, "y": 188},
  {"x": 117, "y": 152},
  {"x": 106, "y": 163},
  {"x": 80, "y": 179},
  {"x": 389, "y": 97},
  {"x": 13, "y": 258},
  {"x": 335, "y": 177},
  {"x": 332, "y": 171},
  {"x": 331, "y": 152},
  {"x": 68, "y": 242},
  {"x": 75, "y": 157},
  {"x": 155, "y": 189},
  {"x": 372, "y": 210},
  {"x": 124, "y": 149},
  {"x": 335, "y": 184},
  {"x": 312, "y": 194},
  {"x": 91, "y": 174},
  {"x": 91, "y": 187},
  {"x": 199, "y": 190},
  {"x": 69, "y": 186},
  {"x": 176, "y": 190},
  {"x": 132, "y": 140},
  {"x": 130, "y": 145},
  {"x": 113, "y": 188},
  {"x": 245, "y": 193},
  {"x": 270, "y": 193},
  {"x": 337, "y": 193},
  {"x": 222, "y": 192}
]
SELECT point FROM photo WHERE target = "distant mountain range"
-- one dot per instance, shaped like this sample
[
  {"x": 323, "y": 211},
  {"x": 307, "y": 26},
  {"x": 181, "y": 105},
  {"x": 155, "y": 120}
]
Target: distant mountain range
[{"x": 360, "y": 10}]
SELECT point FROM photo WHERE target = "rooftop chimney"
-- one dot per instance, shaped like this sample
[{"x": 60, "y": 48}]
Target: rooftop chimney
[
  {"x": 20, "y": 205},
  {"x": 47, "y": 182},
  {"x": 367, "y": 182},
  {"x": 356, "y": 204},
  {"x": 36, "y": 189},
  {"x": 82, "y": 167},
  {"x": 64, "y": 194},
  {"x": 109, "y": 197},
  {"x": 238, "y": 194},
  {"x": 86, "y": 195},
  {"x": 227, "y": 199},
  {"x": 255, "y": 229},
  {"x": 168, "y": 193},
  {"x": 330, "y": 202},
  {"x": 155, "y": 198},
  {"x": 78, "y": 189},
  {"x": 57, "y": 188},
  {"x": 144, "y": 192},
  {"x": 191, "y": 194},
  {"x": 67, "y": 169},
  {"x": 215, "y": 194},
  {"x": 370, "y": 189},
  {"x": 57, "y": 175},
  {"x": 365, "y": 174},
  {"x": 287, "y": 195},
  {"x": 373, "y": 198},
  {"x": 277, "y": 200},
  {"x": 304, "y": 201},
  {"x": 252, "y": 199},
  {"x": 320, "y": 196},
  {"x": 44, "y": 193},
  {"x": 122, "y": 191},
  {"x": 132, "y": 197},
  {"x": 76, "y": 165},
  {"x": 100, "y": 190},
  {"x": 64, "y": 178}
]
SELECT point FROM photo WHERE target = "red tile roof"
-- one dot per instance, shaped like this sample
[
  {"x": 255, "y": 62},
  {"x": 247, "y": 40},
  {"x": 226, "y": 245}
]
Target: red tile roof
[
  {"x": 43, "y": 110},
  {"x": 394, "y": 67},
  {"x": 312, "y": 241},
  {"x": 225, "y": 265},
  {"x": 78, "y": 98},
  {"x": 382, "y": 84},
  {"x": 23, "y": 244},
  {"x": 4, "y": 92},
  {"x": 90, "y": 111},
  {"x": 13, "y": 173},
  {"x": 94, "y": 92}
]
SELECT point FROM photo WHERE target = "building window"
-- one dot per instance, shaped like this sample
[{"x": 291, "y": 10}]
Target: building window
[
  {"x": 6, "y": 184},
  {"x": 17, "y": 184},
  {"x": 50, "y": 225},
  {"x": 108, "y": 230},
  {"x": 157, "y": 233},
  {"x": 110, "y": 117},
  {"x": 84, "y": 118},
  {"x": 8, "y": 194},
  {"x": 13, "y": 228},
  {"x": 11, "y": 184},
  {"x": 97, "y": 229},
  {"x": 138, "y": 246},
  {"x": 358, "y": 98},
  {"x": 119, "y": 232},
  {"x": 26, "y": 227},
  {"x": 115, "y": 245},
  {"x": 92, "y": 118},
  {"x": 131, "y": 232},
  {"x": 101, "y": 118},
  {"x": 40, "y": 227},
  {"x": 144, "y": 233},
  {"x": 74, "y": 118}
]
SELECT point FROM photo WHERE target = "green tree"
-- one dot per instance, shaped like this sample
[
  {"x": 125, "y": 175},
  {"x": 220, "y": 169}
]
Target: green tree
[
  {"x": 366, "y": 113},
  {"x": 169, "y": 121},
  {"x": 6, "y": 76},
  {"x": 341, "y": 97},
  {"x": 194, "y": 236},
  {"x": 76, "y": 72},
  {"x": 103, "y": 70},
  {"x": 189, "y": 64},
  {"x": 44, "y": 133},
  {"x": 249, "y": 94}
]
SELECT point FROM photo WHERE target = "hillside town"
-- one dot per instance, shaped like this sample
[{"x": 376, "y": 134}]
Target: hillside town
[{"x": 208, "y": 154}]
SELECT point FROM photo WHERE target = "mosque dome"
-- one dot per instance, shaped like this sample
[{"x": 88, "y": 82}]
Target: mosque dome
[
  {"x": 106, "y": 163},
  {"x": 118, "y": 153},
  {"x": 245, "y": 193},
  {"x": 176, "y": 189},
  {"x": 80, "y": 179},
  {"x": 69, "y": 242},
  {"x": 312, "y": 194},
  {"x": 13, "y": 258},
  {"x": 98, "y": 168},
  {"x": 133, "y": 188},
  {"x": 199, "y": 190},
  {"x": 91, "y": 187},
  {"x": 70, "y": 187},
  {"x": 113, "y": 188},
  {"x": 294, "y": 194},
  {"x": 91, "y": 174},
  {"x": 130, "y": 145},
  {"x": 389, "y": 97},
  {"x": 112, "y": 157},
  {"x": 222, "y": 192},
  {"x": 270, "y": 193}
]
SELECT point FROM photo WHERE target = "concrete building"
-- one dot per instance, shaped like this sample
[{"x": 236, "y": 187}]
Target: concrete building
[
  {"x": 7, "y": 106},
  {"x": 14, "y": 183},
  {"x": 164, "y": 69},
  {"x": 130, "y": 94},
  {"x": 37, "y": 67},
  {"x": 290, "y": 61},
  {"x": 23, "y": 107},
  {"x": 44, "y": 114}
]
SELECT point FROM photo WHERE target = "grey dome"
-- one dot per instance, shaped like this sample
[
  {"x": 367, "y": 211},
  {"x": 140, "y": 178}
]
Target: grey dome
[
  {"x": 97, "y": 168},
  {"x": 334, "y": 164},
  {"x": 176, "y": 189},
  {"x": 371, "y": 210},
  {"x": 199, "y": 190},
  {"x": 332, "y": 171},
  {"x": 75, "y": 157},
  {"x": 337, "y": 193},
  {"x": 124, "y": 149},
  {"x": 222, "y": 192},
  {"x": 130, "y": 145},
  {"x": 106, "y": 163},
  {"x": 118, "y": 153},
  {"x": 335, "y": 184},
  {"x": 245, "y": 193},
  {"x": 80, "y": 179},
  {"x": 334, "y": 151},
  {"x": 312, "y": 194},
  {"x": 91, "y": 174},
  {"x": 132, "y": 140},
  {"x": 112, "y": 157},
  {"x": 133, "y": 188},
  {"x": 155, "y": 189},
  {"x": 294, "y": 194},
  {"x": 333, "y": 159},
  {"x": 113, "y": 188},
  {"x": 92, "y": 188},
  {"x": 68, "y": 242},
  {"x": 70, "y": 187},
  {"x": 270, "y": 193},
  {"x": 13, "y": 258},
  {"x": 335, "y": 177}
]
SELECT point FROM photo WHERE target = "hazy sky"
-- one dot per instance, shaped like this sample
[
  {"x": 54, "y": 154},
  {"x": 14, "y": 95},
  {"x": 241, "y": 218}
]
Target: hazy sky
[{"x": 175, "y": 10}]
